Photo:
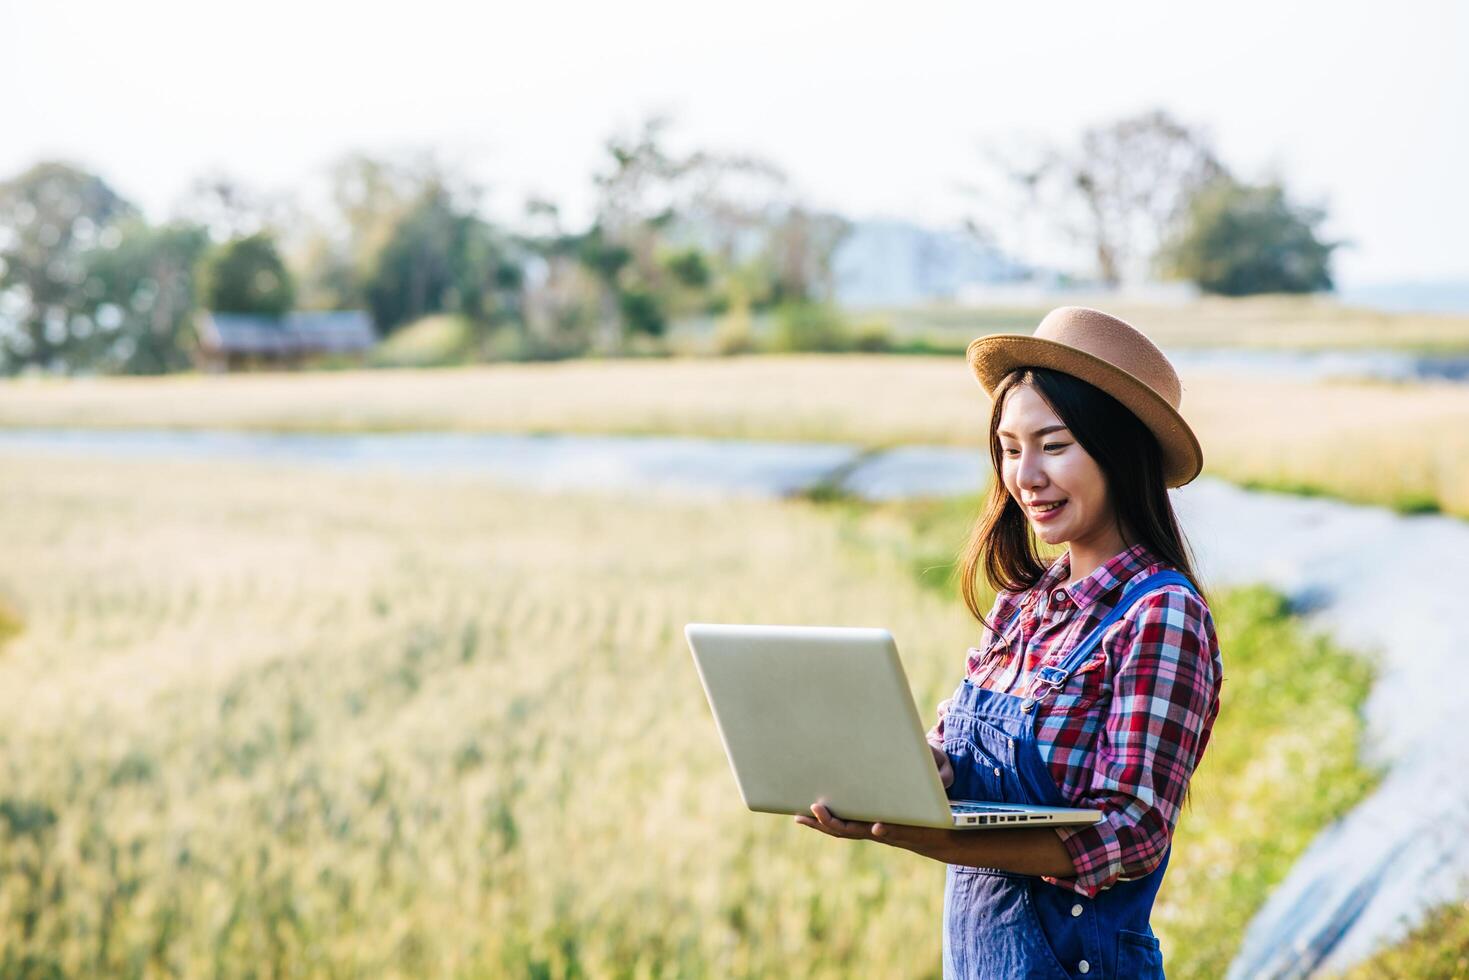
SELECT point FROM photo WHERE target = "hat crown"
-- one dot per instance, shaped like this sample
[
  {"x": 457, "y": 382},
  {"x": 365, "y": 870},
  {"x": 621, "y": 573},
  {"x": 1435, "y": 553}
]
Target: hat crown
[
  {"x": 1110, "y": 354},
  {"x": 1115, "y": 341}
]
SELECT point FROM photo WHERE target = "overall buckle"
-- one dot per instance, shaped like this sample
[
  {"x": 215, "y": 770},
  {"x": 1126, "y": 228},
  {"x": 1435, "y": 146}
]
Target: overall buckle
[
  {"x": 1047, "y": 679},
  {"x": 1054, "y": 676}
]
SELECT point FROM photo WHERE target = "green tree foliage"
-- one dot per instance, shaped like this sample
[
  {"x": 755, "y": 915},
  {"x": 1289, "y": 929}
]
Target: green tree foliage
[
  {"x": 442, "y": 258},
  {"x": 246, "y": 275},
  {"x": 640, "y": 312},
  {"x": 675, "y": 237},
  {"x": 1241, "y": 239},
  {"x": 689, "y": 268},
  {"x": 51, "y": 217},
  {"x": 637, "y": 198},
  {"x": 140, "y": 297}
]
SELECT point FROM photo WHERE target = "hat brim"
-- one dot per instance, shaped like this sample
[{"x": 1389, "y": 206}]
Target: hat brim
[{"x": 993, "y": 356}]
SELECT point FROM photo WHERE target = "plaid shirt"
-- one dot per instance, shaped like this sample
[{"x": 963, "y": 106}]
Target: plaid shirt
[{"x": 1126, "y": 731}]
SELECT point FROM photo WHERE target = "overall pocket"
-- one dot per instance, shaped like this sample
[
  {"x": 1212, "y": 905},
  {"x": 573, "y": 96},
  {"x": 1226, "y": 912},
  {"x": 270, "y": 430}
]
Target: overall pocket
[
  {"x": 984, "y": 762},
  {"x": 1138, "y": 954},
  {"x": 1069, "y": 938},
  {"x": 977, "y": 774}
]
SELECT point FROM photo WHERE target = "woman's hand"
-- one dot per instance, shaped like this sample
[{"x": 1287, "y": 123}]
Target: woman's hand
[
  {"x": 941, "y": 845},
  {"x": 1031, "y": 850}
]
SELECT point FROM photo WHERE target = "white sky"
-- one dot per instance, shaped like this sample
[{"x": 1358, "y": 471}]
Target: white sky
[{"x": 872, "y": 109}]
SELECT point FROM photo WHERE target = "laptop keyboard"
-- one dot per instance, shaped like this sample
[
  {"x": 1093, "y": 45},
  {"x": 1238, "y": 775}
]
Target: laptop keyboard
[{"x": 971, "y": 807}]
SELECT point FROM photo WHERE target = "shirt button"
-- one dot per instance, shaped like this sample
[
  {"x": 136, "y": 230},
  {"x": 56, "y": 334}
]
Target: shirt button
[
  {"x": 997, "y": 770},
  {"x": 1084, "y": 967},
  {"x": 1059, "y": 595},
  {"x": 1075, "y": 910}
]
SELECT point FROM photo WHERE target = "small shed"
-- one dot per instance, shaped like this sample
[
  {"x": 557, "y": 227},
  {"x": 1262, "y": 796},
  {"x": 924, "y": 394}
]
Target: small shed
[{"x": 229, "y": 341}]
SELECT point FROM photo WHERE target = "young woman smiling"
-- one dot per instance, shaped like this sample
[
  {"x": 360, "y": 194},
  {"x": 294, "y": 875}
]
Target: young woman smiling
[{"x": 1097, "y": 683}]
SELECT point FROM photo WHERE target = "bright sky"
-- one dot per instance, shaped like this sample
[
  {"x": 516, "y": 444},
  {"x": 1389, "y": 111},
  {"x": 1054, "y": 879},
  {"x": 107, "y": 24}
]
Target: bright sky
[{"x": 872, "y": 109}]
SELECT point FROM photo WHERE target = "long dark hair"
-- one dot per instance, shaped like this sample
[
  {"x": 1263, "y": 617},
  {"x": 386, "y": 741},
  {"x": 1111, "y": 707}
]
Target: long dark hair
[{"x": 1002, "y": 542}]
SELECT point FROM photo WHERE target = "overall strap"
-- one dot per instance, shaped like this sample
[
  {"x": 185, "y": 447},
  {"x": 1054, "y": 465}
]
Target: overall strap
[{"x": 1051, "y": 678}]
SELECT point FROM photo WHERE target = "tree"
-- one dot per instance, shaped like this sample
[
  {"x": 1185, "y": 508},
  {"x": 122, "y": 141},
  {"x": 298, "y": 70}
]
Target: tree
[
  {"x": 440, "y": 258},
  {"x": 733, "y": 202},
  {"x": 225, "y": 207},
  {"x": 1120, "y": 191},
  {"x": 561, "y": 307},
  {"x": 369, "y": 197},
  {"x": 637, "y": 197},
  {"x": 1241, "y": 239},
  {"x": 246, "y": 275},
  {"x": 140, "y": 299},
  {"x": 51, "y": 217},
  {"x": 801, "y": 246},
  {"x": 678, "y": 234},
  {"x": 337, "y": 250}
]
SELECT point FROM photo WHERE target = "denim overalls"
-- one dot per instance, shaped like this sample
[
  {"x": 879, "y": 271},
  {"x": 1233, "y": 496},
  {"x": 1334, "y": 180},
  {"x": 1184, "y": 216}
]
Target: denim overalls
[{"x": 1001, "y": 924}]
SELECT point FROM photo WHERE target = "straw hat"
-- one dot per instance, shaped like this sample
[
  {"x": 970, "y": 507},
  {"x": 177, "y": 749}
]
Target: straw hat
[{"x": 1114, "y": 356}]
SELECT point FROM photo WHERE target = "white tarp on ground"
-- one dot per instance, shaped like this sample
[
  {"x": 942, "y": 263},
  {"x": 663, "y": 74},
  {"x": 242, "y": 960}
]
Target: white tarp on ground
[{"x": 1390, "y": 587}]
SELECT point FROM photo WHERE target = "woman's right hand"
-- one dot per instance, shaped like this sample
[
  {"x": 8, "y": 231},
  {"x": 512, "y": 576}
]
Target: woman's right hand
[{"x": 946, "y": 768}]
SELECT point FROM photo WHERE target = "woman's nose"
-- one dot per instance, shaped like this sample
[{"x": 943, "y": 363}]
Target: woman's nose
[{"x": 1031, "y": 471}]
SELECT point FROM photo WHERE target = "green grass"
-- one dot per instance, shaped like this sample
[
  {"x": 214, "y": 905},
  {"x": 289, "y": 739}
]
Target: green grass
[
  {"x": 433, "y": 341},
  {"x": 10, "y": 621},
  {"x": 1439, "y": 948},
  {"x": 1270, "y": 780},
  {"x": 1406, "y": 501}
]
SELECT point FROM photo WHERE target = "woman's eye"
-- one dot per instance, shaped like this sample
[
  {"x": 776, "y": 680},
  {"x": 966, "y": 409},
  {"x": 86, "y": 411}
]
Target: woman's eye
[{"x": 1049, "y": 445}]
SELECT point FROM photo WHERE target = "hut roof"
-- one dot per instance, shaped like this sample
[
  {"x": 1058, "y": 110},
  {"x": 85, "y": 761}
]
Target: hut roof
[{"x": 299, "y": 332}]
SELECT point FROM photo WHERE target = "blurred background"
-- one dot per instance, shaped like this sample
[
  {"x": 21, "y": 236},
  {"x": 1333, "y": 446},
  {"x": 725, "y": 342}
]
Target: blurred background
[{"x": 385, "y": 387}]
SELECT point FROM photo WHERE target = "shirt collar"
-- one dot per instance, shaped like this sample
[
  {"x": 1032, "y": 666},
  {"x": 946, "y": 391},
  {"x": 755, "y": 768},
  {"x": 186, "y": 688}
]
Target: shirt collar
[{"x": 1117, "y": 570}]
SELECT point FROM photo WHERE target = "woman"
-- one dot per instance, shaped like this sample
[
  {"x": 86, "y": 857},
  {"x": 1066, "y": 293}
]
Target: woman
[{"x": 1098, "y": 680}]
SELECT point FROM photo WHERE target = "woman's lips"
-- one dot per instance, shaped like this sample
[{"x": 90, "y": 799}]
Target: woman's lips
[{"x": 1048, "y": 515}]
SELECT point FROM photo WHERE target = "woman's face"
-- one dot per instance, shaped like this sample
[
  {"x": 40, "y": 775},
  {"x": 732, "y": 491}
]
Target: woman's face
[{"x": 1040, "y": 466}]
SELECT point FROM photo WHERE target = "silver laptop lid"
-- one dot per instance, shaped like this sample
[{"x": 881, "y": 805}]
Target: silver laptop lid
[{"x": 810, "y": 713}]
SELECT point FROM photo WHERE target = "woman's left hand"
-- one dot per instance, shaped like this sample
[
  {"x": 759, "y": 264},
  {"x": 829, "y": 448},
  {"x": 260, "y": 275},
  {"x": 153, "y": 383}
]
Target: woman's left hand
[{"x": 931, "y": 842}]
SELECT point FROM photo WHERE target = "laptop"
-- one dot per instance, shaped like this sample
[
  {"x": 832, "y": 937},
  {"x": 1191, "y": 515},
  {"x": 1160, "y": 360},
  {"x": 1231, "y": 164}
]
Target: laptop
[{"x": 824, "y": 714}]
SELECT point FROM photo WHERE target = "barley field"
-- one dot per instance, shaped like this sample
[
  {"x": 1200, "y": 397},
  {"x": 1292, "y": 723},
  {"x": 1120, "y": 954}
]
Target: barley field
[{"x": 277, "y": 722}]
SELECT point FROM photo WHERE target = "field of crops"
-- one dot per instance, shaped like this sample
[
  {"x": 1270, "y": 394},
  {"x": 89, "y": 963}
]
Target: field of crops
[{"x": 275, "y": 723}]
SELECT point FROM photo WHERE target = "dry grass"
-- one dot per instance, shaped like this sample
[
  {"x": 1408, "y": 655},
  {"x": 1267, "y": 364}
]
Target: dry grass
[
  {"x": 1261, "y": 322},
  {"x": 1404, "y": 446}
]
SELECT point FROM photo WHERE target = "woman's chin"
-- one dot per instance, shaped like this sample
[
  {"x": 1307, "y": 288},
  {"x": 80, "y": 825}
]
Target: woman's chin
[{"x": 1048, "y": 533}]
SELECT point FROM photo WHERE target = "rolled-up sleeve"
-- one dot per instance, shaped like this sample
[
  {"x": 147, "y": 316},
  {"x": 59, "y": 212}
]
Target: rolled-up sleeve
[{"x": 1165, "y": 695}]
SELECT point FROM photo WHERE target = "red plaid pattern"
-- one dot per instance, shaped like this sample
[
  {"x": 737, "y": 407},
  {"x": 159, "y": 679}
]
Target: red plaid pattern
[{"x": 1130, "y": 725}]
